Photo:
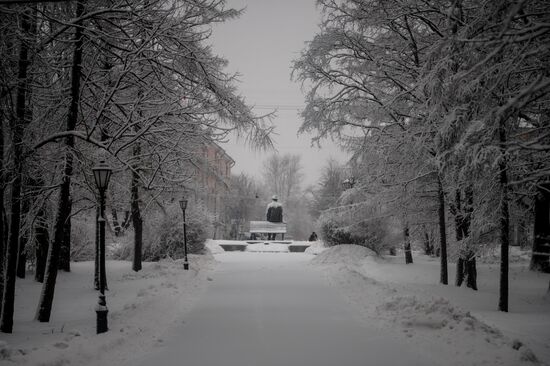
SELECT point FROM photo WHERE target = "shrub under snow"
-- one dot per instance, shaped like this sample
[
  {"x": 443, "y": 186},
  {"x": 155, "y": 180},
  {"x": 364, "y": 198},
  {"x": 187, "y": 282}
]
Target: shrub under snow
[
  {"x": 163, "y": 235},
  {"x": 373, "y": 233},
  {"x": 343, "y": 254},
  {"x": 166, "y": 235}
]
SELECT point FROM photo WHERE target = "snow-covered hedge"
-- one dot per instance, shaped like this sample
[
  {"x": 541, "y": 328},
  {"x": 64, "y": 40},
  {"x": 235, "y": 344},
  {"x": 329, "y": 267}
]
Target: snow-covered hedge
[
  {"x": 344, "y": 255},
  {"x": 371, "y": 233}
]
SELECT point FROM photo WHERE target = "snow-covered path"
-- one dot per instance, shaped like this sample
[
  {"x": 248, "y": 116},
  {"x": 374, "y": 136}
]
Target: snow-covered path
[{"x": 267, "y": 309}]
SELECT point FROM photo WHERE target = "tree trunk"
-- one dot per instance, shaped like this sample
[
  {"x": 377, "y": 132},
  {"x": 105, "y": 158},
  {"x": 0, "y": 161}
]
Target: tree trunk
[
  {"x": 466, "y": 264},
  {"x": 504, "y": 221},
  {"x": 460, "y": 221},
  {"x": 8, "y": 298},
  {"x": 2, "y": 259},
  {"x": 459, "y": 233},
  {"x": 41, "y": 235},
  {"x": 407, "y": 245},
  {"x": 471, "y": 272},
  {"x": 540, "y": 259},
  {"x": 2, "y": 222},
  {"x": 127, "y": 217},
  {"x": 459, "y": 279},
  {"x": 23, "y": 240},
  {"x": 18, "y": 127},
  {"x": 48, "y": 288},
  {"x": 42, "y": 243},
  {"x": 443, "y": 273},
  {"x": 65, "y": 249},
  {"x": 428, "y": 245},
  {"x": 64, "y": 203},
  {"x": 116, "y": 224},
  {"x": 136, "y": 219}
]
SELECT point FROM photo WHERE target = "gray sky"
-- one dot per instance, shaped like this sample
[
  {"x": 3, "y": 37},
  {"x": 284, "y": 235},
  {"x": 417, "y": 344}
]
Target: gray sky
[{"x": 260, "y": 46}]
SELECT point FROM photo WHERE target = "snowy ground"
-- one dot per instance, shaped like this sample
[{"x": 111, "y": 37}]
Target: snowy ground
[
  {"x": 272, "y": 309},
  {"x": 404, "y": 303},
  {"x": 457, "y": 326},
  {"x": 141, "y": 306}
]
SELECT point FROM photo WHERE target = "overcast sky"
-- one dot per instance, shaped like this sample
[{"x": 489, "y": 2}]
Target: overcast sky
[{"x": 260, "y": 46}]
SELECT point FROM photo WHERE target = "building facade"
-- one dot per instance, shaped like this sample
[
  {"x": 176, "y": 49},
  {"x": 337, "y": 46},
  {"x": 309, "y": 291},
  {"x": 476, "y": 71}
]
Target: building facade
[{"x": 212, "y": 183}]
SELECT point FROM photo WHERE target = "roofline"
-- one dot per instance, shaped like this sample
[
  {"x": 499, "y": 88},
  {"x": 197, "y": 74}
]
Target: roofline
[{"x": 225, "y": 154}]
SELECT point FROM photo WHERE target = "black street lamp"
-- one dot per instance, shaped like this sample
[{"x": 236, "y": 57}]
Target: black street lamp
[
  {"x": 183, "y": 205},
  {"x": 102, "y": 174}
]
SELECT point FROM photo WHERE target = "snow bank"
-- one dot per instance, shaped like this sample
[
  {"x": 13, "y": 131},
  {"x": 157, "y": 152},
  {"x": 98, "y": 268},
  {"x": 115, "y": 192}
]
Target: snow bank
[
  {"x": 454, "y": 328},
  {"x": 434, "y": 313},
  {"x": 447, "y": 320},
  {"x": 316, "y": 247},
  {"x": 345, "y": 254},
  {"x": 213, "y": 246}
]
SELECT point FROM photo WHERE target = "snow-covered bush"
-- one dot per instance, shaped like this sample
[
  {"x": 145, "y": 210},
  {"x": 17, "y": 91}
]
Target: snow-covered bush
[
  {"x": 372, "y": 233},
  {"x": 332, "y": 231},
  {"x": 164, "y": 236}
]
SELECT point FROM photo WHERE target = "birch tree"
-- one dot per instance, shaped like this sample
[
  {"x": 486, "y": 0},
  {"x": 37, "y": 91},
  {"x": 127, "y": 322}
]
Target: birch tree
[{"x": 282, "y": 174}]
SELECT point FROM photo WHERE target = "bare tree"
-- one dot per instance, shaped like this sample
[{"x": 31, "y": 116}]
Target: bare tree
[
  {"x": 362, "y": 71},
  {"x": 148, "y": 106},
  {"x": 282, "y": 175},
  {"x": 329, "y": 188},
  {"x": 461, "y": 83},
  {"x": 64, "y": 203},
  {"x": 17, "y": 127},
  {"x": 487, "y": 103}
]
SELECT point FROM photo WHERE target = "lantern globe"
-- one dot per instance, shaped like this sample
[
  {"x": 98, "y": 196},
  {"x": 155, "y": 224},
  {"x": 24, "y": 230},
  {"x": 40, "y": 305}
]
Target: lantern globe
[
  {"x": 102, "y": 174},
  {"x": 349, "y": 182},
  {"x": 346, "y": 183},
  {"x": 183, "y": 204}
]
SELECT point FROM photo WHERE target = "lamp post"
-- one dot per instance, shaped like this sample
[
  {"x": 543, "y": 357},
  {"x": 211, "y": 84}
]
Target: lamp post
[
  {"x": 183, "y": 205},
  {"x": 102, "y": 174}
]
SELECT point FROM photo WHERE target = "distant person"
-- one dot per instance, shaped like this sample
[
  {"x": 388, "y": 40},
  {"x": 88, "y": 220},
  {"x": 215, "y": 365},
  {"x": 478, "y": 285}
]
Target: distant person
[
  {"x": 274, "y": 214},
  {"x": 312, "y": 237}
]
